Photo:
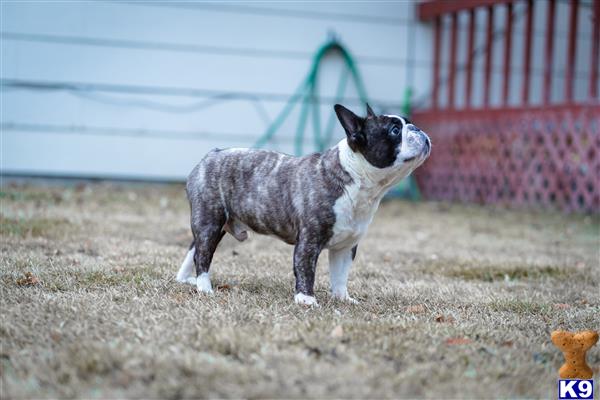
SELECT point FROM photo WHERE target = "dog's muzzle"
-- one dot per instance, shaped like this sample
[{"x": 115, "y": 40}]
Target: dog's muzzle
[{"x": 420, "y": 142}]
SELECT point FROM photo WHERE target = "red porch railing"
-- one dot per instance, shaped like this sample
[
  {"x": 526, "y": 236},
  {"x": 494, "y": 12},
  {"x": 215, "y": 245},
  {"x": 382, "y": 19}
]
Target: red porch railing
[{"x": 518, "y": 154}]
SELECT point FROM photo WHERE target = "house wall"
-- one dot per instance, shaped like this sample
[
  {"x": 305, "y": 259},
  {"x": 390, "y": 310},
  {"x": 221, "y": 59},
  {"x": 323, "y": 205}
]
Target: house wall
[{"x": 143, "y": 90}]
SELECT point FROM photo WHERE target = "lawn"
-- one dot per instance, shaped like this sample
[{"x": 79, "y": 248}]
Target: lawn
[{"x": 455, "y": 301}]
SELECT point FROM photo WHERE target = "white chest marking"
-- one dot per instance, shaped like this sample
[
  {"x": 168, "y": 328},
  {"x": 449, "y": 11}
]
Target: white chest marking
[{"x": 355, "y": 209}]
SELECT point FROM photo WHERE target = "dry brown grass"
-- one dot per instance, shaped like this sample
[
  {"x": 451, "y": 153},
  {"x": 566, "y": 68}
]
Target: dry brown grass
[{"x": 456, "y": 301}]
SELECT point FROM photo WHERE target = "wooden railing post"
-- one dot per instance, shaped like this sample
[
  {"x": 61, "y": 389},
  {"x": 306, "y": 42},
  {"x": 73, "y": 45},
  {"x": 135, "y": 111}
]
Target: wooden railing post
[
  {"x": 527, "y": 54},
  {"x": 507, "y": 50},
  {"x": 452, "y": 72},
  {"x": 471, "y": 45},
  {"x": 488, "y": 55},
  {"x": 549, "y": 51},
  {"x": 436, "y": 61},
  {"x": 595, "y": 51},
  {"x": 571, "y": 58}
]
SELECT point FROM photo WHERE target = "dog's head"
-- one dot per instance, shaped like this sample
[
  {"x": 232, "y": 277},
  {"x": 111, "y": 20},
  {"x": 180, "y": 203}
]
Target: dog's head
[{"x": 385, "y": 141}]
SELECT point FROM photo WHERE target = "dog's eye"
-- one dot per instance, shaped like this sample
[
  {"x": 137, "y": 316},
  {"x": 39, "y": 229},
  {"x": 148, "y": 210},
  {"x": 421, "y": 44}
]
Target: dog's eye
[{"x": 395, "y": 131}]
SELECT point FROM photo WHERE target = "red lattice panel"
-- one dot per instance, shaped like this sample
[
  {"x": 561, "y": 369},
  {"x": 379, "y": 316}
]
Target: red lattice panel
[{"x": 517, "y": 157}]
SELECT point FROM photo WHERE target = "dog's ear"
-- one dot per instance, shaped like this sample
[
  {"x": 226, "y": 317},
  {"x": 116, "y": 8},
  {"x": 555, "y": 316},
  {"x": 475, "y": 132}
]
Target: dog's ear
[
  {"x": 370, "y": 112},
  {"x": 353, "y": 125}
]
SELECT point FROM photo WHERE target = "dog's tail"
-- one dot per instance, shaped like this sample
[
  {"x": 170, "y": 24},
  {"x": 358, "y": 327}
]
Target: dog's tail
[{"x": 186, "y": 270}]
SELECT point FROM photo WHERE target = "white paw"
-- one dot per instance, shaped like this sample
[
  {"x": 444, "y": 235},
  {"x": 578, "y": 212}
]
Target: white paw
[
  {"x": 203, "y": 283},
  {"x": 344, "y": 296},
  {"x": 305, "y": 300},
  {"x": 191, "y": 281}
]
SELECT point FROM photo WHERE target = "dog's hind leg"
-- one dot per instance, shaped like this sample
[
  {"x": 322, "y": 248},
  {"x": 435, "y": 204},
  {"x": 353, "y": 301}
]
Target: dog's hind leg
[
  {"x": 207, "y": 216},
  {"x": 206, "y": 240},
  {"x": 186, "y": 272}
]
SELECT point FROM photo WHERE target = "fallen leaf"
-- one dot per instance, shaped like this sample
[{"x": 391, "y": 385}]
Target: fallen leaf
[
  {"x": 441, "y": 319},
  {"x": 337, "y": 332},
  {"x": 124, "y": 379},
  {"x": 314, "y": 351},
  {"x": 415, "y": 308},
  {"x": 457, "y": 341},
  {"x": 57, "y": 197},
  {"x": 55, "y": 336},
  {"x": 28, "y": 280},
  {"x": 507, "y": 343},
  {"x": 223, "y": 287}
]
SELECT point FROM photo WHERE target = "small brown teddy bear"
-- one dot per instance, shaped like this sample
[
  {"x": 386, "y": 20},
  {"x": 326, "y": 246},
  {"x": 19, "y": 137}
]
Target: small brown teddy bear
[{"x": 574, "y": 346}]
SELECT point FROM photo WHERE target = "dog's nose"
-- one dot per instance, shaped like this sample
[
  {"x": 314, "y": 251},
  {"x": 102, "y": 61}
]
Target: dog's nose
[{"x": 426, "y": 143}]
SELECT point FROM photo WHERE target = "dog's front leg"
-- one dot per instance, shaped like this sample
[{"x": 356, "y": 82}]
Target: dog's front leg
[
  {"x": 306, "y": 254},
  {"x": 340, "y": 262}
]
